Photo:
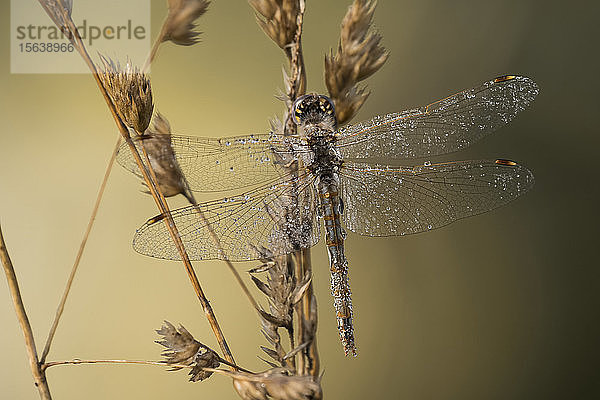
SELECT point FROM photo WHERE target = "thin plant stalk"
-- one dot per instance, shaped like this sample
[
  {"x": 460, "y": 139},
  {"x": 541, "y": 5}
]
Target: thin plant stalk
[
  {"x": 78, "y": 361},
  {"x": 311, "y": 352},
  {"x": 154, "y": 190},
  {"x": 39, "y": 376},
  {"x": 63, "y": 300},
  {"x": 299, "y": 272},
  {"x": 297, "y": 73},
  {"x": 157, "y": 42}
]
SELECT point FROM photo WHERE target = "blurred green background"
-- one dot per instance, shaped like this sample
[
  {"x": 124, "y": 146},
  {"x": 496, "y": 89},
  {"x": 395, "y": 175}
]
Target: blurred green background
[{"x": 503, "y": 305}]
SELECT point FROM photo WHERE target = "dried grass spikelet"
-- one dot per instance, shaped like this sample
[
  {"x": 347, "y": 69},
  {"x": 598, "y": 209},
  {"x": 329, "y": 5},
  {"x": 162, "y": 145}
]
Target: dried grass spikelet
[
  {"x": 54, "y": 9},
  {"x": 130, "y": 91},
  {"x": 182, "y": 348},
  {"x": 276, "y": 384},
  {"x": 283, "y": 292},
  {"x": 277, "y": 18},
  {"x": 360, "y": 54},
  {"x": 180, "y": 25},
  {"x": 157, "y": 143}
]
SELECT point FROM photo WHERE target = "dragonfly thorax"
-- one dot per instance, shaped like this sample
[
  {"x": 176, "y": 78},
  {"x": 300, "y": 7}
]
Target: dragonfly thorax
[
  {"x": 325, "y": 158},
  {"x": 315, "y": 117}
]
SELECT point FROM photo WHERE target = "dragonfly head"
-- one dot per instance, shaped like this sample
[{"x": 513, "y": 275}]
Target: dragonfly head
[{"x": 314, "y": 112}]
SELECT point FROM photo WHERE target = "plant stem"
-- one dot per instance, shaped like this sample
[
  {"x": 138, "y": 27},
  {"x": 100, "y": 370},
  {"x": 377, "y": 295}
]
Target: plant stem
[
  {"x": 157, "y": 42},
  {"x": 61, "y": 305},
  {"x": 298, "y": 271},
  {"x": 308, "y": 308},
  {"x": 77, "y": 361},
  {"x": 38, "y": 374}
]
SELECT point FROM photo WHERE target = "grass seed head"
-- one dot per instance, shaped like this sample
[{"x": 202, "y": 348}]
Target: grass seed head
[
  {"x": 130, "y": 91},
  {"x": 182, "y": 348},
  {"x": 180, "y": 26},
  {"x": 277, "y": 18},
  {"x": 359, "y": 55}
]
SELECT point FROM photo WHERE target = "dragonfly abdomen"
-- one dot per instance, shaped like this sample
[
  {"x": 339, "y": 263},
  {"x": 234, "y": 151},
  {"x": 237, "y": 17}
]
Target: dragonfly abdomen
[{"x": 331, "y": 207}]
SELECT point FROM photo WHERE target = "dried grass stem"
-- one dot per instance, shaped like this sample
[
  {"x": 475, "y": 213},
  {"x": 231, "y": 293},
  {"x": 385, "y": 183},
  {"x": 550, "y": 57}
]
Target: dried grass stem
[{"x": 39, "y": 375}]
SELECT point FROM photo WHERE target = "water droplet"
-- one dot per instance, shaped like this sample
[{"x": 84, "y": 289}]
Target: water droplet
[
  {"x": 429, "y": 227},
  {"x": 231, "y": 168},
  {"x": 427, "y": 163},
  {"x": 218, "y": 162},
  {"x": 227, "y": 143}
]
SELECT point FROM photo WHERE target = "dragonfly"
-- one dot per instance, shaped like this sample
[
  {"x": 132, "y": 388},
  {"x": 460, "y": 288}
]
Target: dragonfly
[{"x": 332, "y": 174}]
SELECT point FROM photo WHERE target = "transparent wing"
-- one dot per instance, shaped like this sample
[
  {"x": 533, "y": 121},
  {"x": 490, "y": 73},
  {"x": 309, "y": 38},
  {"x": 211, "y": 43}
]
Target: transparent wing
[
  {"x": 445, "y": 126},
  {"x": 211, "y": 164},
  {"x": 280, "y": 217},
  {"x": 389, "y": 201}
]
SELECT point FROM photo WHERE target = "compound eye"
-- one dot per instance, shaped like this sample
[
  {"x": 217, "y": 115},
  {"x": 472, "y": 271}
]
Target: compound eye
[
  {"x": 325, "y": 105},
  {"x": 298, "y": 111}
]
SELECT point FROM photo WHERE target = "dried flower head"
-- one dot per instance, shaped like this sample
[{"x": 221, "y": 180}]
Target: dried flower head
[
  {"x": 182, "y": 348},
  {"x": 130, "y": 91},
  {"x": 276, "y": 384},
  {"x": 180, "y": 25},
  {"x": 277, "y": 18},
  {"x": 360, "y": 54}
]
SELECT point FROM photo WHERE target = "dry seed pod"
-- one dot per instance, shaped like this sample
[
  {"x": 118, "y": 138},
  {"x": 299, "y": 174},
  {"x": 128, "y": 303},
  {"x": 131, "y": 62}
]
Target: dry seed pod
[
  {"x": 359, "y": 55},
  {"x": 130, "y": 91},
  {"x": 182, "y": 348},
  {"x": 180, "y": 25}
]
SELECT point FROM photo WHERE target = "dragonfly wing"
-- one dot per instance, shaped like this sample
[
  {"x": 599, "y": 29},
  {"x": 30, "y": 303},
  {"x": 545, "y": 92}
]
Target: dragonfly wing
[
  {"x": 211, "y": 164},
  {"x": 389, "y": 201},
  {"x": 280, "y": 217},
  {"x": 448, "y": 125}
]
